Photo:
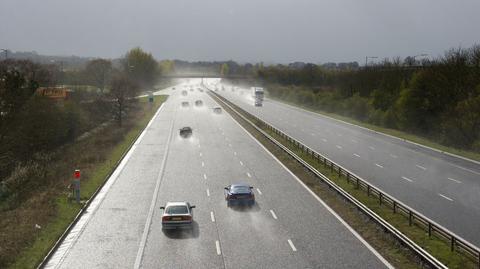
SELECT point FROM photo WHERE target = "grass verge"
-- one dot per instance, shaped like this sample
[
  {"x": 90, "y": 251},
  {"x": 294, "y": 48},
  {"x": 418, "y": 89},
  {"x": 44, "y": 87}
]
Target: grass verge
[
  {"x": 384, "y": 243},
  {"x": 397, "y": 133},
  {"x": 94, "y": 175}
]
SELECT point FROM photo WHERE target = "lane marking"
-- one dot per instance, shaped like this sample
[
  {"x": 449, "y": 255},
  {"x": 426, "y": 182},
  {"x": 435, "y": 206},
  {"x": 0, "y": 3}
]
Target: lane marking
[
  {"x": 235, "y": 153},
  {"x": 291, "y": 245},
  {"x": 354, "y": 141},
  {"x": 219, "y": 251},
  {"x": 393, "y": 156},
  {"x": 212, "y": 216},
  {"x": 339, "y": 135},
  {"x": 339, "y": 147},
  {"x": 421, "y": 167},
  {"x": 200, "y": 154},
  {"x": 241, "y": 163},
  {"x": 208, "y": 192},
  {"x": 324, "y": 140},
  {"x": 356, "y": 155},
  {"x": 203, "y": 164},
  {"x": 407, "y": 179},
  {"x": 342, "y": 221},
  {"x": 259, "y": 192},
  {"x": 312, "y": 134},
  {"x": 446, "y": 197},
  {"x": 198, "y": 145},
  {"x": 205, "y": 176},
  {"x": 248, "y": 174},
  {"x": 273, "y": 214},
  {"x": 230, "y": 145},
  {"x": 372, "y": 148},
  {"x": 454, "y": 180},
  {"x": 378, "y": 165}
]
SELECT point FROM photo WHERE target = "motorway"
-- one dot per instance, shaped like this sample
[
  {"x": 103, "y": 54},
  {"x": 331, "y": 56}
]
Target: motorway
[
  {"x": 289, "y": 227},
  {"x": 444, "y": 188}
]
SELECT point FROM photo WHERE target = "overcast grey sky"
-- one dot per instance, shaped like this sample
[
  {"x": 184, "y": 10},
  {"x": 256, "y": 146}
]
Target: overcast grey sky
[{"x": 242, "y": 30}]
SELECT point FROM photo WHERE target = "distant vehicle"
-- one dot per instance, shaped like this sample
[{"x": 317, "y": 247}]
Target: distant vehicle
[
  {"x": 173, "y": 88},
  {"x": 233, "y": 89},
  {"x": 217, "y": 110},
  {"x": 184, "y": 92},
  {"x": 239, "y": 194},
  {"x": 199, "y": 103},
  {"x": 223, "y": 88},
  {"x": 257, "y": 95},
  {"x": 185, "y": 103},
  {"x": 186, "y": 132},
  {"x": 177, "y": 215}
]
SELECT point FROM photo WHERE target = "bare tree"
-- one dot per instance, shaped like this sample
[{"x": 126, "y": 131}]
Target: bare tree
[
  {"x": 123, "y": 91},
  {"x": 99, "y": 72}
]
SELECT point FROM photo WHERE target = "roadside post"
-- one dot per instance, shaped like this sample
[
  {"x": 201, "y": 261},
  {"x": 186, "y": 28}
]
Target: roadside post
[
  {"x": 76, "y": 185},
  {"x": 150, "y": 97}
]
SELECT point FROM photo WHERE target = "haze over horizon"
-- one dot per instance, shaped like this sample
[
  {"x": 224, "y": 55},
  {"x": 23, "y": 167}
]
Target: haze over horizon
[{"x": 246, "y": 31}]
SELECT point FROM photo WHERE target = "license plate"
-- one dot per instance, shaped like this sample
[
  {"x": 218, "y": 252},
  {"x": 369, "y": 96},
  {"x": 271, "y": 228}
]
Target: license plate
[{"x": 177, "y": 218}]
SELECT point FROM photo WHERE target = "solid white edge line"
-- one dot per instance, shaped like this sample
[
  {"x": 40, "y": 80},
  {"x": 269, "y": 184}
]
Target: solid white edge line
[
  {"x": 66, "y": 245},
  {"x": 446, "y": 197},
  {"x": 273, "y": 214},
  {"x": 291, "y": 245},
  {"x": 217, "y": 245},
  {"x": 212, "y": 216},
  {"x": 358, "y": 236}
]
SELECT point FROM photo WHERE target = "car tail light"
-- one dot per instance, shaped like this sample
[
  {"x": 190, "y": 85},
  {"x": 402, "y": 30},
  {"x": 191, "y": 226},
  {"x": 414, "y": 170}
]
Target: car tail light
[
  {"x": 165, "y": 218},
  {"x": 187, "y": 218}
]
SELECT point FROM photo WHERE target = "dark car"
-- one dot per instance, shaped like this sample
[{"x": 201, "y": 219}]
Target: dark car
[
  {"x": 185, "y": 103},
  {"x": 199, "y": 103},
  {"x": 184, "y": 92},
  {"x": 186, "y": 132},
  {"x": 177, "y": 215},
  {"x": 217, "y": 110},
  {"x": 239, "y": 194}
]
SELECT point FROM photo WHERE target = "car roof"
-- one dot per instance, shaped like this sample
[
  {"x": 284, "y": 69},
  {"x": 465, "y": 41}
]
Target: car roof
[
  {"x": 177, "y": 204},
  {"x": 240, "y": 184}
]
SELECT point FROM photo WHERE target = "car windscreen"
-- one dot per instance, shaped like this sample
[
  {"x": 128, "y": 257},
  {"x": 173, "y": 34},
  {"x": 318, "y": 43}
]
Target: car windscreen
[
  {"x": 240, "y": 189},
  {"x": 178, "y": 209}
]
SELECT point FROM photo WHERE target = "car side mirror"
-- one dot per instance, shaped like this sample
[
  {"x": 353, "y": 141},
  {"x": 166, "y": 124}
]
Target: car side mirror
[
  {"x": 192, "y": 206},
  {"x": 162, "y": 207},
  {"x": 226, "y": 188},
  {"x": 251, "y": 187}
]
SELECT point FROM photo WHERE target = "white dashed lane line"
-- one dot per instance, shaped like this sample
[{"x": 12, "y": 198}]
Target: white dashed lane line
[
  {"x": 203, "y": 164},
  {"x": 217, "y": 245},
  {"x": 407, "y": 179},
  {"x": 248, "y": 174},
  {"x": 446, "y": 197},
  {"x": 273, "y": 214},
  {"x": 372, "y": 148},
  {"x": 378, "y": 165},
  {"x": 356, "y": 155},
  {"x": 204, "y": 176},
  {"x": 338, "y": 146},
  {"x": 454, "y": 180},
  {"x": 292, "y": 245},
  {"x": 324, "y": 140},
  {"x": 354, "y": 141},
  {"x": 235, "y": 153},
  {"x": 259, "y": 192},
  {"x": 200, "y": 154},
  {"x": 421, "y": 167},
  {"x": 208, "y": 192},
  {"x": 241, "y": 163},
  {"x": 393, "y": 156},
  {"x": 212, "y": 216}
]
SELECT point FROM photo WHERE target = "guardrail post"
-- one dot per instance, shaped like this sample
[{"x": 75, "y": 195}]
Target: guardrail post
[
  {"x": 452, "y": 244},
  {"x": 331, "y": 167},
  {"x": 409, "y": 218},
  {"x": 380, "y": 197},
  {"x": 339, "y": 172},
  {"x": 368, "y": 190},
  {"x": 357, "y": 181},
  {"x": 429, "y": 230},
  {"x": 394, "y": 207}
]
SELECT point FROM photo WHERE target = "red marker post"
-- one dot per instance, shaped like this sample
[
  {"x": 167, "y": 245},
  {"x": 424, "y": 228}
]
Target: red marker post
[{"x": 76, "y": 185}]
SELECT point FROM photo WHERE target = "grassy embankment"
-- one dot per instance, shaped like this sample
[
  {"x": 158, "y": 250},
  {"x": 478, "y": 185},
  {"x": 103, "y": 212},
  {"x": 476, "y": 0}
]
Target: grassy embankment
[{"x": 112, "y": 142}]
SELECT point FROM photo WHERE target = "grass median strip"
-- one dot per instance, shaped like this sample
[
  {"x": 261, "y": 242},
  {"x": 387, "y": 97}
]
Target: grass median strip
[
  {"x": 94, "y": 176},
  {"x": 388, "y": 246}
]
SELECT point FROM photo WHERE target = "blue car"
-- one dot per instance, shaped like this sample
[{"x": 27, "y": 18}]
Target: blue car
[{"x": 239, "y": 194}]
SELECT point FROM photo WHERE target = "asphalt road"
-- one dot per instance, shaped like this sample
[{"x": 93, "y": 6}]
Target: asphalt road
[
  {"x": 288, "y": 228},
  {"x": 446, "y": 189}
]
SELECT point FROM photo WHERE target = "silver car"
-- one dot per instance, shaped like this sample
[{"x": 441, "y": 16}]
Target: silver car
[{"x": 177, "y": 215}]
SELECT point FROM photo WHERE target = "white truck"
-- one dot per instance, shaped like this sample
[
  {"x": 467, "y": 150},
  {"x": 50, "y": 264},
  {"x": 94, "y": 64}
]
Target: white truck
[{"x": 257, "y": 95}]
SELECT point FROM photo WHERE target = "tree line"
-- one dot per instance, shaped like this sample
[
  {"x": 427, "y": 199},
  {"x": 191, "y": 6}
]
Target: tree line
[
  {"x": 32, "y": 126},
  {"x": 439, "y": 99}
]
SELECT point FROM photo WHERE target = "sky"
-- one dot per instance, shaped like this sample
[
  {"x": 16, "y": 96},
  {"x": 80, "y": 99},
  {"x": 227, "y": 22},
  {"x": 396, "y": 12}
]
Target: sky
[{"x": 270, "y": 31}]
